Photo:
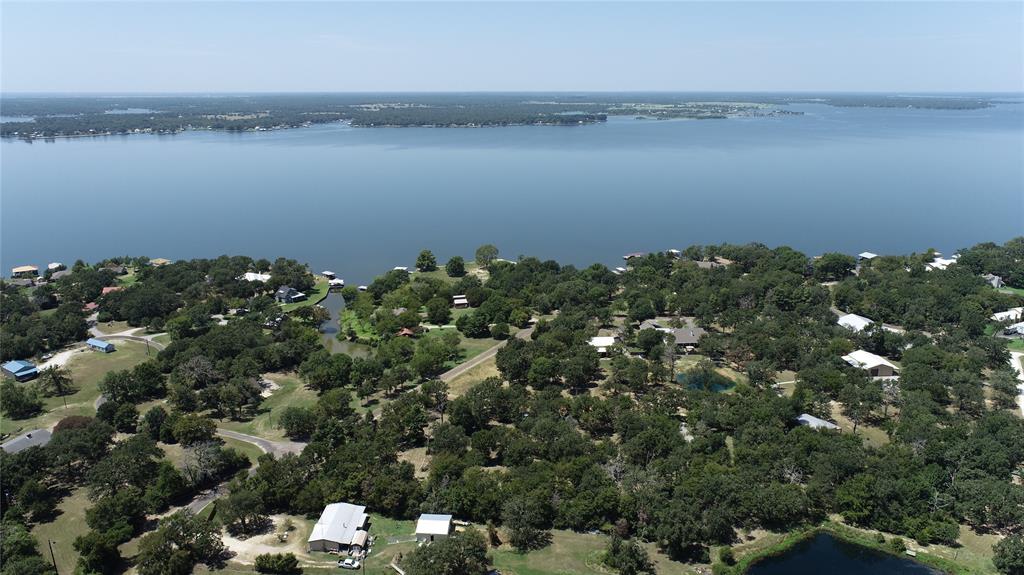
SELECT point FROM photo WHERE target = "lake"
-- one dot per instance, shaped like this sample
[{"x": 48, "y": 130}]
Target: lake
[
  {"x": 362, "y": 200},
  {"x": 824, "y": 553}
]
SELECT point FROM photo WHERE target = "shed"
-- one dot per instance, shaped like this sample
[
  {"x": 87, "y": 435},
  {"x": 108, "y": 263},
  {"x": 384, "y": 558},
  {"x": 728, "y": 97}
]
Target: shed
[
  {"x": 431, "y": 527},
  {"x": 34, "y": 438},
  {"x": 337, "y": 528},
  {"x": 100, "y": 345},
  {"x": 20, "y": 370}
]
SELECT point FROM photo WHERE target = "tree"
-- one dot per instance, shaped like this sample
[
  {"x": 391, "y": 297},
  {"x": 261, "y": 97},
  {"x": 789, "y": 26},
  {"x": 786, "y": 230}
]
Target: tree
[
  {"x": 833, "y": 266},
  {"x": 456, "y": 267},
  {"x": 486, "y": 254},
  {"x": 181, "y": 541},
  {"x": 524, "y": 520},
  {"x": 56, "y": 381},
  {"x": 1008, "y": 555},
  {"x": 426, "y": 262},
  {"x": 297, "y": 422},
  {"x": 473, "y": 324},
  {"x": 153, "y": 422},
  {"x": 191, "y": 429},
  {"x": 242, "y": 511},
  {"x": 438, "y": 311},
  {"x": 463, "y": 553},
  {"x": 19, "y": 401},
  {"x": 628, "y": 557},
  {"x": 278, "y": 563}
]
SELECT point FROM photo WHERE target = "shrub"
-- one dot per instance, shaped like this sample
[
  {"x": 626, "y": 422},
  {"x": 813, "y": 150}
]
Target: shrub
[{"x": 284, "y": 563}]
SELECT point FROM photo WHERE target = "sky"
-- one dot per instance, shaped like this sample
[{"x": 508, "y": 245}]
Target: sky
[{"x": 524, "y": 46}]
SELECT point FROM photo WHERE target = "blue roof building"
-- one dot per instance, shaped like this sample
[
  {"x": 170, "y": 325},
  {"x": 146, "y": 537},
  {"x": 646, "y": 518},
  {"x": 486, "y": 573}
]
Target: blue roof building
[
  {"x": 100, "y": 345},
  {"x": 20, "y": 369}
]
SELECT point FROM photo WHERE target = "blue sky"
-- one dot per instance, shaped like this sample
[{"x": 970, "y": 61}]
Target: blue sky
[{"x": 575, "y": 46}]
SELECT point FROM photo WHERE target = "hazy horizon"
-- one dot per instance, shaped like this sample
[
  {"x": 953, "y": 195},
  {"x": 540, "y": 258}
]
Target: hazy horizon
[{"x": 425, "y": 47}]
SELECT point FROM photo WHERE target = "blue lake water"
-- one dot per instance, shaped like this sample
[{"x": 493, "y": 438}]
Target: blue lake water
[
  {"x": 360, "y": 201},
  {"x": 826, "y": 554}
]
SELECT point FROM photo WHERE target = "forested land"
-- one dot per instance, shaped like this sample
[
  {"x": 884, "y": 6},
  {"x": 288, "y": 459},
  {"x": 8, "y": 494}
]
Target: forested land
[
  {"x": 63, "y": 116},
  {"x": 561, "y": 438}
]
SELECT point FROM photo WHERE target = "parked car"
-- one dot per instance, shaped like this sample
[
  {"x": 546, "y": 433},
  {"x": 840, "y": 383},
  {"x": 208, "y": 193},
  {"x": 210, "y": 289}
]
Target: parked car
[{"x": 349, "y": 563}]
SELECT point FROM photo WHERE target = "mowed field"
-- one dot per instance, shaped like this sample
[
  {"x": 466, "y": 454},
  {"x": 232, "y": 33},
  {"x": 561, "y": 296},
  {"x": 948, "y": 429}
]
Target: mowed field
[{"x": 87, "y": 370}]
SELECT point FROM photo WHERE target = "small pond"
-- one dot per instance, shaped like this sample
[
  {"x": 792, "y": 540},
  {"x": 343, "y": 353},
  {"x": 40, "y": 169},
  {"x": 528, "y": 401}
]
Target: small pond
[{"x": 824, "y": 553}]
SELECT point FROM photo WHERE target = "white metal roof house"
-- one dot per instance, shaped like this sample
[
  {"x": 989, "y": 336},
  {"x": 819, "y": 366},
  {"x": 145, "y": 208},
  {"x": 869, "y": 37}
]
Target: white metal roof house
[
  {"x": 255, "y": 277},
  {"x": 867, "y": 256},
  {"x": 602, "y": 342},
  {"x": 1012, "y": 314},
  {"x": 341, "y": 527},
  {"x": 875, "y": 365},
  {"x": 854, "y": 322},
  {"x": 431, "y": 527},
  {"x": 815, "y": 422}
]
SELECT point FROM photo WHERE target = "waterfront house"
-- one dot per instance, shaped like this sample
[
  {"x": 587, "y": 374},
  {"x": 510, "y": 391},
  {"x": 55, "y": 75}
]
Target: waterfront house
[
  {"x": 158, "y": 262},
  {"x": 940, "y": 263},
  {"x": 100, "y": 345},
  {"x": 341, "y": 527},
  {"x": 328, "y": 274},
  {"x": 20, "y": 370},
  {"x": 335, "y": 283},
  {"x": 34, "y": 438},
  {"x": 630, "y": 256},
  {"x": 432, "y": 527},
  {"x": 24, "y": 272},
  {"x": 866, "y": 256},
  {"x": 255, "y": 277},
  {"x": 815, "y": 422},
  {"x": 287, "y": 294},
  {"x": 875, "y": 365},
  {"x": 55, "y": 266}
]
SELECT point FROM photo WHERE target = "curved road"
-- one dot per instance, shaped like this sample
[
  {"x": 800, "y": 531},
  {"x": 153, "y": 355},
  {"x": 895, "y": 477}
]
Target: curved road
[{"x": 275, "y": 448}]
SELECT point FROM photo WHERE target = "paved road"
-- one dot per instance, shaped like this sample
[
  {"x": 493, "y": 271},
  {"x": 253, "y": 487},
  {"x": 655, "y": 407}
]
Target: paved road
[
  {"x": 487, "y": 354},
  {"x": 276, "y": 448},
  {"x": 1016, "y": 359}
]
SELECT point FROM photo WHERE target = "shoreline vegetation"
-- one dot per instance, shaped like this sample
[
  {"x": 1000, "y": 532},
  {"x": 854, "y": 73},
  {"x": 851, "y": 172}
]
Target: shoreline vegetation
[{"x": 37, "y": 117}]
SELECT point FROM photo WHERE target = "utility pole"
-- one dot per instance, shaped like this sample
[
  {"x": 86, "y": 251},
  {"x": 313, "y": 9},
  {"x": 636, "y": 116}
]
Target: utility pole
[{"x": 49, "y": 542}]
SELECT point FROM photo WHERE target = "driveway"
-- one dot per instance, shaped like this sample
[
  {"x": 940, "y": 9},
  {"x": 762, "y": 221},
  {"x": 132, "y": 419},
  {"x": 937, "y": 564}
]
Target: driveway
[
  {"x": 275, "y": 448},
  {"x": 484, "y": 356},
  {"x": 1016, "y": 358}
]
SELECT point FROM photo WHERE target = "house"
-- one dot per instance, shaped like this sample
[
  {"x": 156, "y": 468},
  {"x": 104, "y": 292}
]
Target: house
[
  {"x": 55, "y": 266},
  {"x": 628, "y": 257},
  {"x": 854, "y": 322},
  {"x": 875, "y": 365},
  {"x": 815, "y": 422},
  {"x": 34, "y": 438},
  {"x": 116, "y": 269},
  {"x": 1015, "y": 329},
  {"x": 405, "y": 332},
  {"x": 335, "y": 283},
  {"x": 674, "y": 254},
  {"x": 460, "y": 301},
  {"x": 24, "y": 272},
  {"x": 687, "y": 336},
  {"x": 110, "y": 289},
  {"x": 287, "y": 294},
  {"x": 21, "y": 282},
  {"x": 993, "y": 280},
  {"x": 362, "y": 288},
  {"x": 100, "y": 345},
  {"x": 90, "y": 307},
  {"x": 328, "y": 274},
  {"x": 603, "y": 343},
  {"x": 255, "y": 277},
  {"x": 20, "y": 370},
  {"x": 60, "y": 274},
  {"x": 940, "y": 263},
  {"x": 715, "y": 262},
  {"x": 341, "y": 527},
  {"x": 866, "y": 256},
  {"x": 1012, "y": 314},
  {"x": 431, "y": 527},
  {"x": 159, "y": 262},
  {"x": 400, "y": 269}
]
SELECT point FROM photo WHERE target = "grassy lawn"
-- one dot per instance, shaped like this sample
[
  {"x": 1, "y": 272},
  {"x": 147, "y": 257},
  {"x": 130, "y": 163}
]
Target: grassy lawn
[
  {"x": 111, "y": 327},
  {"x": 247, "y": 449},
  {"x": 875, "y": 436},
  {"x": 1016, "y": 345},
  {"x": 64, "y": 529},
  {"x": 292, "y": 393},
  {"x": 315, "y": 296},
  {"x": 127, "y": 279},
  {"x": 87, "y": 370},
  {"x": 164, "y": 338},
  {"x": 1015, "y": 291},
  {"x": 468, "y": 347},
  {"x": 348, "y": 320},
  {"x": 441, "y": 274},
  {"x": 572, "y": 553},
  {"x": 468, "y": 379}
]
